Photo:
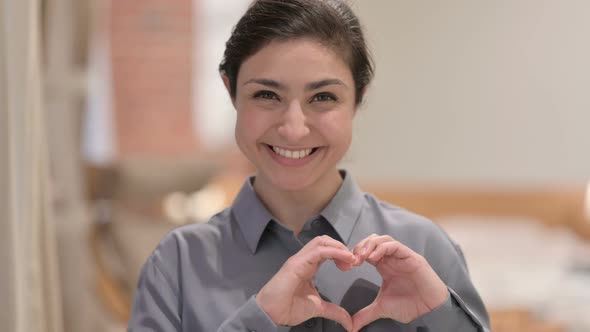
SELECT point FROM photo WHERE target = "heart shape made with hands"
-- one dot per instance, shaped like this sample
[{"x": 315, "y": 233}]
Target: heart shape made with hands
[{"x": 410, "y": 287}]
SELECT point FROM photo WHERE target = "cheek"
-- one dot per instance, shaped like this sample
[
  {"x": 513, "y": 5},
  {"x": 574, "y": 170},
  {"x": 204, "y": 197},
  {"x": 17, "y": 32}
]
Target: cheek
[
  {"x": 242, "y": 126},
  {"x": 250, "y": 126},
  {"x": 339, "y": 128}
]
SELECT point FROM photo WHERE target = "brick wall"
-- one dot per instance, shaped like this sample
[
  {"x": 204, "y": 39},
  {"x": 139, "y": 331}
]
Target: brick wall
[{"x": 151, "y": 45}]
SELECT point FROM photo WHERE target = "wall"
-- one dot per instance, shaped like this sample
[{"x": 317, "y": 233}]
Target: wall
[
  {"x": 474, "y": 92},
  {"x": 152, "y": 47}
]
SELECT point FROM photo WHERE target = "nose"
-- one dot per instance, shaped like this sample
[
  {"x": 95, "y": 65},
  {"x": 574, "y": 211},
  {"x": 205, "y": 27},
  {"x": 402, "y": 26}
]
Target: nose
[{"x": 293, "y": 126}]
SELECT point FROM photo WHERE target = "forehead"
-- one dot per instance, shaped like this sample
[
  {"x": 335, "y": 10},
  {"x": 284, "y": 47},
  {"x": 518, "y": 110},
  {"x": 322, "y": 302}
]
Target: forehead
[{"x": 300, "y": 60}]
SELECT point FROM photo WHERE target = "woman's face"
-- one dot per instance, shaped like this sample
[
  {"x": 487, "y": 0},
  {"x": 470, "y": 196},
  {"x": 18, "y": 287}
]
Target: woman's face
[{"x": 295, "y": 104}]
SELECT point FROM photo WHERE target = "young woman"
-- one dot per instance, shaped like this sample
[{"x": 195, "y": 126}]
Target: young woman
[{"x": 301, "y": 247}]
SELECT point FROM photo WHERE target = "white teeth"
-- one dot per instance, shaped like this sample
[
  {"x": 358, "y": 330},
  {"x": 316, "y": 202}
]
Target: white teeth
[{"x": 292, "y": 154}]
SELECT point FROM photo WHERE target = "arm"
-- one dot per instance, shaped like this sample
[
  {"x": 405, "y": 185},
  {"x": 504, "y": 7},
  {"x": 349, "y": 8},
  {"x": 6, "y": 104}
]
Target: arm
[
  {"x": 464, "y": 310},
  {"x": 250, "y": 317},
  {"x": 157, "y": 305},
  {"x": 431, "y": 291},
  {"x": 450, "y": 316}
]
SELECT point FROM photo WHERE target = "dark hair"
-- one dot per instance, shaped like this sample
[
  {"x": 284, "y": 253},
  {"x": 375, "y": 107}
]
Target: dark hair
[{"x": 332, "y": 22}]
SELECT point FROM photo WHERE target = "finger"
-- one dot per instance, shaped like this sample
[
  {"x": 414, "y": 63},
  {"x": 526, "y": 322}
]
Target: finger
[
  {"x": 373, "y": 243},
  {"x": 324, "y": 241},
  {"x": 321, "y": 254},
  {"x": 337, "y": 255},
  {"x": 386, "y": 249},
  {"x": 365, "y": 316},
  {"x": 304, "y": 265},
  {"x": 357, "y": 249},
  {"x": 403, "y": 259},
  {"x": 344, "y": 266},
  {"x": 406, "y": 258},
  {"x": 360, "y": 249},
  {"x": 336, "y": 313}
]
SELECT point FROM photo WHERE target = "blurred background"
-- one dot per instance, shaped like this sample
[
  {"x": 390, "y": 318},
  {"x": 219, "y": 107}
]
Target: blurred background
[{"x": 115, "y": 128}]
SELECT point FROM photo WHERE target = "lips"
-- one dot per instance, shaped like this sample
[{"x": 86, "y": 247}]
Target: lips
[{"x": 291, "y": 155}]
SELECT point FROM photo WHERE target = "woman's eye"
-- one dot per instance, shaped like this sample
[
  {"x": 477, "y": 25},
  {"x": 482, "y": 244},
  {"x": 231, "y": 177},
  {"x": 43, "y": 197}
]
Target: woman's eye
[
  {"x": 266, "y": 95},
  {"x": 324, "y": 96}
]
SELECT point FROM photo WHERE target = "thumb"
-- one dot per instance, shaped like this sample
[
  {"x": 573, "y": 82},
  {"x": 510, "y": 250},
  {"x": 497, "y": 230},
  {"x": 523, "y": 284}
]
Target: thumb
[
  {"x": 365, "y": 316},
  {"x": 336, "y": 313}
]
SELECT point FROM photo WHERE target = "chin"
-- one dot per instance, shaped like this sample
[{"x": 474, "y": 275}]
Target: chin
[{"x": 291, "y": 183}]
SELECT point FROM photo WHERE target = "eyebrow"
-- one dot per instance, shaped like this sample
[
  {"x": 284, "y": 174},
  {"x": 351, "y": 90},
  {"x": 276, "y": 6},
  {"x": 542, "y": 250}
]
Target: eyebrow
[
  {"x": 323, "y": 83},
  {"x": 309, "y": 87},
  {"x": 266, "y": 82}
]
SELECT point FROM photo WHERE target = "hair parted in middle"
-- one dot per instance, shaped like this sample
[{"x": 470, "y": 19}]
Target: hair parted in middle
[{"x": 331, "y": 22}]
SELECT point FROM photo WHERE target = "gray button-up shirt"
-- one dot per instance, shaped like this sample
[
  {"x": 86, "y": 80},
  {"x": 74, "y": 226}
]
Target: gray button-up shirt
[{"x": 204, "y": 277}]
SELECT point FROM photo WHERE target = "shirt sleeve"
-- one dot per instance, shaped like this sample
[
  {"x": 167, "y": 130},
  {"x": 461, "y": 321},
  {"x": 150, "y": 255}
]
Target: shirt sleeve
[
  {"x": 156, "y": 305},
  {"x": 464, "y": 310},
  {"x": 450, "y": 316},
  {"x": 249, "y": 318}
]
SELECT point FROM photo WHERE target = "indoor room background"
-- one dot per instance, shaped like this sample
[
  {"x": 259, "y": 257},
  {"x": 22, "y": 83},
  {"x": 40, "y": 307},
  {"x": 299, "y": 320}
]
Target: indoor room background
[{"x": 115, "y": 127}]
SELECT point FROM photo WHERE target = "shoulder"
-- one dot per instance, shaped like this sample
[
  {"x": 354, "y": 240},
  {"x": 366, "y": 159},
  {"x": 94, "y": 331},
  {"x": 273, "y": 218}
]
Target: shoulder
[
  {"x": 415, "y": 231},
  {"x": 395, "y": 216},
  {"x": 192, "y": 239},
  {"x": 410, "y": 228}
]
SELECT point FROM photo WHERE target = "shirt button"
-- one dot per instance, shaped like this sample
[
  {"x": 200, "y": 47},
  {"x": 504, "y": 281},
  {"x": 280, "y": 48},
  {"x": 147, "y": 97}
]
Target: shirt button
[{"x": 310, "y": 323}]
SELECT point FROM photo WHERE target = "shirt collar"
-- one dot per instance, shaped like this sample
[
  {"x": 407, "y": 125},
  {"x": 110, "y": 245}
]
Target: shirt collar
[
  {"x": 251, "y": 215},
  {"x": 342, "y": 212},
  {"x": 344, "y": 209}
]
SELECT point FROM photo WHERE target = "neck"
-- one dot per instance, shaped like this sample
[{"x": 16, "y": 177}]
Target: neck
[{"x": 294, "y": 207}]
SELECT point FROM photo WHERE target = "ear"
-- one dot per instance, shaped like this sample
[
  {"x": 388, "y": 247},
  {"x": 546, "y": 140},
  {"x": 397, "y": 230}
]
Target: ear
[
  {"x": 226, "y": 83},
  {"x": 363, "y": 94}
]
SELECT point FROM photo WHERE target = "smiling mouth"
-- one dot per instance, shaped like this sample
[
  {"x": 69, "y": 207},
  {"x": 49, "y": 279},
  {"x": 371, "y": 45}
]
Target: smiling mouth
[{"x": 292, "y": 154}]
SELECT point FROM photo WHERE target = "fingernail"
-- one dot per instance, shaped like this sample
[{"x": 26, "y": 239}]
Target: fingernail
[{"x": 363, "y": 251}]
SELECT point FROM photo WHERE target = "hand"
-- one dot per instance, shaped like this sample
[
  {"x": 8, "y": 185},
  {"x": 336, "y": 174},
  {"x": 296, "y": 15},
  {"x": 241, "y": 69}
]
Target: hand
[
  {"x": 410, "y": 286},
  {"x": 290, "y": 298}
]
